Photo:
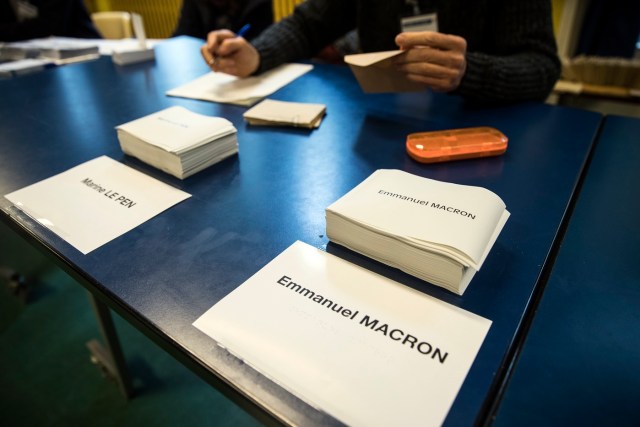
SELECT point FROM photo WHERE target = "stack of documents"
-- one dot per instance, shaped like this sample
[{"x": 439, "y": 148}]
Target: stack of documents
[
  {"x": 62, "y": 50},
  {"x": 439, "y": 232},
  {"x": 140, "y": 53},
  {"x": 280, "y": 113},
  {"x": 22, "y": 66},
  {"x": 179, "y": 141},
  {"x": 133, "y": 56},
  {"x": 57, "y": 50}
]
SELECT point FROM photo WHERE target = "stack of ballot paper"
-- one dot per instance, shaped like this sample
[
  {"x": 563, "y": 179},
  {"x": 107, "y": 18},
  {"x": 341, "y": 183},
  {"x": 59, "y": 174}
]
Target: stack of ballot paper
[
  {"x": 437, "y": 231},
  {"x": 280, "y": 113},
  {"x": 134, "y": 54},
  {"x": 22, "y": 66},
  {"x": 178, "y": 141}
]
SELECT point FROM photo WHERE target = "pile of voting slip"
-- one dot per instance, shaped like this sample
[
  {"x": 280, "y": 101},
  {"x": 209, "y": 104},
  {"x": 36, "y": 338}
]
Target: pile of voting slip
[
  {"x": 281, "y": 113},
  {"x": 178, "y": 141},
  {"x": 439, "y": 232}
]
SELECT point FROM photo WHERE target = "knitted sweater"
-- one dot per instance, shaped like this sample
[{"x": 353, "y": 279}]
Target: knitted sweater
[
  {"x": 511, "y": 50},
  {"x": 199, "y": 17}
]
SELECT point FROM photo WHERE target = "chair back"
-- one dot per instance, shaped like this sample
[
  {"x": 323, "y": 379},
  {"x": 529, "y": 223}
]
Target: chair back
[{"x": 113, "y": 25}]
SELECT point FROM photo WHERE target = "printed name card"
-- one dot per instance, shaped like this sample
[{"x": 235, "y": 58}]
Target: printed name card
[
  {"x": 95, "y": 202},
  {"x": 365, "y": 349}
]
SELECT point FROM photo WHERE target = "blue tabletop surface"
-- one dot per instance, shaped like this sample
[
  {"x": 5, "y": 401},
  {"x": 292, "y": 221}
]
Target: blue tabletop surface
[
  {"x": 580, "y": 364},
  {"x": 164, "y": 274}
]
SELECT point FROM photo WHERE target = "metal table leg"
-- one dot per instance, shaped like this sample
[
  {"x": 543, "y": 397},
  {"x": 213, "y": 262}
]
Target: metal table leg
[{"x": 109, "y": 357}]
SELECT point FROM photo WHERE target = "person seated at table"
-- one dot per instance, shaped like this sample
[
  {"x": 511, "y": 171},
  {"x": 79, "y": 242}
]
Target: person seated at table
[
  {"x": 31, "y": 19},
  {"x": 199, "y": 17},
  {"x": 492, "y": 51}
]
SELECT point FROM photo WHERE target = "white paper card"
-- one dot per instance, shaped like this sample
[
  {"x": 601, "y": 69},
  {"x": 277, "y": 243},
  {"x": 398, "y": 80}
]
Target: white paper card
[
  {"x": 95, "y": 202},
  {"x": 221, "y": 87},
  {"x": 365, "y": 349}
]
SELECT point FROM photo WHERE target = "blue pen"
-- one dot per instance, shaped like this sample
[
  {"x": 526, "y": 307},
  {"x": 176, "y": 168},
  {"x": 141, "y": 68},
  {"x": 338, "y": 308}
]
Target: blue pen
[{"x": 243, "y": 30}]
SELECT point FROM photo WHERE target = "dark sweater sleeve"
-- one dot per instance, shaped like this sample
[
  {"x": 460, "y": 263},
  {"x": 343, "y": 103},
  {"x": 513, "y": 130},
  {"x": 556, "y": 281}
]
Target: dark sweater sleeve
[
  {"x": 313, "y": 25},
  {"x": 519, "y": 60}
]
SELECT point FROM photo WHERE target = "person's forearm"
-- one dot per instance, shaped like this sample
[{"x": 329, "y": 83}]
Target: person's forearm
[{"x": 312, "y": 26}]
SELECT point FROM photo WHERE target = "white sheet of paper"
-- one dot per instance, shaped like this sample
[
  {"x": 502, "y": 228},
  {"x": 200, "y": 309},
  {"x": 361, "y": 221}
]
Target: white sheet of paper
[
  {"x": 95, "y": 202},
  {"x": 376, "y": 354},
  {"x": 220, "y": 87}
]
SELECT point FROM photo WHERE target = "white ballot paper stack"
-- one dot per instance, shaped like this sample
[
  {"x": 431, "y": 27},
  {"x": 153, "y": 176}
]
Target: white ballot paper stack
[
  {"x": 179, "y": 141},
  {"x": 365, "y": 349},
  {"x": 140, "y": 53},
  {"x": 437, "y": 231},
  {"x": 221, "y": 87}
]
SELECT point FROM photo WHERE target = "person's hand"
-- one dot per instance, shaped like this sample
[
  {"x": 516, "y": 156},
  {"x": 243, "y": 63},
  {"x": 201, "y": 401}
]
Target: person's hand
[
  {"x": 435, "y": 59},
  {"x": 226, "y": 52}
]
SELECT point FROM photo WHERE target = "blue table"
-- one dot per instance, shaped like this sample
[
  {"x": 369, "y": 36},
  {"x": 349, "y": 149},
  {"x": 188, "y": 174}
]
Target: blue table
[
  {"x": 580, "y": 364},
  {"x": 244, "y": 211}
]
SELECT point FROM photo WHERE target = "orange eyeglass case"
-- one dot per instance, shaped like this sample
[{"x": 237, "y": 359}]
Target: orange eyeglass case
[{"x": 456, "y": 144}]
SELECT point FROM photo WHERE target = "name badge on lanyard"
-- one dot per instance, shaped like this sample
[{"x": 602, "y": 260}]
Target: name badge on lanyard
[{"x": 425, "y": 22}]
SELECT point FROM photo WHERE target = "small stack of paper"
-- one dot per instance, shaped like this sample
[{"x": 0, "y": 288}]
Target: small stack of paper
[
  {"x": 62, "y": 50},
  {"x": 57, "y": 50},
  {"x": 179, "y": 141},
  {"x": 280, "y": 113},
  {"x": 140, "y": 53},
  {"x": 133, "y": 55},
  {"x": 437, "y": 231},
  {"x": 22, "y": 66}
]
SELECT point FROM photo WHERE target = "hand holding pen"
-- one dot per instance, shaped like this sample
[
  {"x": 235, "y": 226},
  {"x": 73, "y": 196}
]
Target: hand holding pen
[{"x": 228, "y": 52}]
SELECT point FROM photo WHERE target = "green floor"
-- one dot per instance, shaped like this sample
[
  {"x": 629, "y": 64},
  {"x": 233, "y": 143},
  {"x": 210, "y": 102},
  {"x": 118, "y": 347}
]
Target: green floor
[{"x": 47, "y": 378}]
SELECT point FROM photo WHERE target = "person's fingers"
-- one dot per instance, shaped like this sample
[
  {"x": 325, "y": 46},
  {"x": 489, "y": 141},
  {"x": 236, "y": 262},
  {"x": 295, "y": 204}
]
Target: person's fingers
[
  {"x": 451, "y": 59},
  {"x": 209, "y": 59},
  {"x": 215, "y": 38},
  {"x": 437, "y": 77},
  {"x": 230, "y": 46},
  {"x": 433, "y": 39}
]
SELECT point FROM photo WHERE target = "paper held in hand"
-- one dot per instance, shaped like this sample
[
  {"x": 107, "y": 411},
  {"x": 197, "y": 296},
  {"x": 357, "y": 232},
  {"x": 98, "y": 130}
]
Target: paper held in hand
[
  {"x": 376, "y": 73},
  {"x": 178, "y": 141},
  {"x": 365, "y": 349},
  {"x": 437, "y": 231}
]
